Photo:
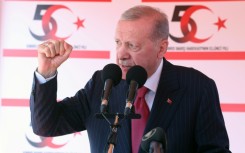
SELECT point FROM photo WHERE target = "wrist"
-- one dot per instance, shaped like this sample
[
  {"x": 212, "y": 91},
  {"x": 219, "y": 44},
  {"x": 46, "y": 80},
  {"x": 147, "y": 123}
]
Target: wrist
[{"x": 46, "y": 74}]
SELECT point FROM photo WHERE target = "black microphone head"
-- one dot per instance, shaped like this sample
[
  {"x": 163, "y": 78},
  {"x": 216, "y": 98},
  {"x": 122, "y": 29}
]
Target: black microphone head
[
  {"x": 113, "y": 72},
  {"x": 138, "y": 74},
  {"x": 157, "y": 134}
]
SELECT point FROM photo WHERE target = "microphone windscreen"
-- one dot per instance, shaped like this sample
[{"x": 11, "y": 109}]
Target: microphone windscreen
[
  {"x": 113, "y": 72},
  {"x": 138, "y": 74},
  {"x": 157, "y": 134}
]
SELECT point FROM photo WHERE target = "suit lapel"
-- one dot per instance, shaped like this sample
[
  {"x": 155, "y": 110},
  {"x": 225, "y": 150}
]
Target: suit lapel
[{"x": 167, "y": 99}]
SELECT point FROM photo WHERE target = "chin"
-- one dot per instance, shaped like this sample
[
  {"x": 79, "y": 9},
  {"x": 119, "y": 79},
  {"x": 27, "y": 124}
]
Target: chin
[{"x": 124, "y": 76}]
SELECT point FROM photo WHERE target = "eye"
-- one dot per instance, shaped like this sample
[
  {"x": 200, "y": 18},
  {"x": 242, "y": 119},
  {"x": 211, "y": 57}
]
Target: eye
[
  {"x": 133, "y": 47},
  {"x": 118, "y": 43}
]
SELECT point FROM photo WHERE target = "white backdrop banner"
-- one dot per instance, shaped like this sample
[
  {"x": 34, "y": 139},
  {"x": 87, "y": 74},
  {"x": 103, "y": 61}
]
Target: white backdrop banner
[{"x": 206, "y": 35}]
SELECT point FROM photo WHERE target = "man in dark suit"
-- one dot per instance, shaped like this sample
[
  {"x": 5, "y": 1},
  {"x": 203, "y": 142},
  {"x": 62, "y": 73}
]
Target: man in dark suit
[{"x": 183, "y": 101}]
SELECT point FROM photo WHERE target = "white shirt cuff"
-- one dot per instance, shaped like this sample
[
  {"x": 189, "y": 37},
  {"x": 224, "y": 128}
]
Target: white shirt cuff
[{"x": 41, "y": 79}]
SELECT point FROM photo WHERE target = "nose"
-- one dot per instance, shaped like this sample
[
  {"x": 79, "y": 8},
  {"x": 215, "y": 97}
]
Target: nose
[{"x": 122, "y": 52}]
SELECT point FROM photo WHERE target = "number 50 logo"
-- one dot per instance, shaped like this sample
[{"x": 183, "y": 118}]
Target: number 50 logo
[
  {"x": 188, "y": 25},
  {"x": 49, "y": 24}
]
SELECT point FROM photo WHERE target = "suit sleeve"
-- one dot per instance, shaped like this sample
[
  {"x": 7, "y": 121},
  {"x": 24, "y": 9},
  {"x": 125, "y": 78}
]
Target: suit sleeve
[
  {"x": 52, "y": 118},
  {"x": 211, "y": 134}
]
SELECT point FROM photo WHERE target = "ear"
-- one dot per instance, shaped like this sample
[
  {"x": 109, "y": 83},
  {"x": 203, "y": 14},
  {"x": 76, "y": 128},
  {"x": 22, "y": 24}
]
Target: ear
[{"x": 163, "y": 48}]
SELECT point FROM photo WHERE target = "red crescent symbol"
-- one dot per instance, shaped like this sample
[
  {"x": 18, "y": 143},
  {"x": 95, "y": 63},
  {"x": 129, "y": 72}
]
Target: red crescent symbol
[
  {"x": 189, "y": 27},
  {"x": 45, "y": 141},
  {"x": 47, "y": 19},
  {"x": 190, "y": 35}
]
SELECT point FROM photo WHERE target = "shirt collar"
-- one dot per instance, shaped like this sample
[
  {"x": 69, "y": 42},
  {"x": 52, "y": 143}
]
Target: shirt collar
[{"x": 152, "y": 82}]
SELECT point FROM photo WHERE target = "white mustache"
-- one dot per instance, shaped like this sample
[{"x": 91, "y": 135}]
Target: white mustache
[{"x": 125, "y": 63}]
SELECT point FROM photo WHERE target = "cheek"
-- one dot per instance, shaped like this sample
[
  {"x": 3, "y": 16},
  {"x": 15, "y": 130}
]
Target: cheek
[
  {"x": 148, "y": 60},
  {"x": 117, "y": 60},
  {"x": 142, "y": 61},
  {"x": 137, "y": 58}
]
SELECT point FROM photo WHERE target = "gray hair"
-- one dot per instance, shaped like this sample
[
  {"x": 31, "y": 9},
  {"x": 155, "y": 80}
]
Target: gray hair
[{"x": 161, "y": 27}]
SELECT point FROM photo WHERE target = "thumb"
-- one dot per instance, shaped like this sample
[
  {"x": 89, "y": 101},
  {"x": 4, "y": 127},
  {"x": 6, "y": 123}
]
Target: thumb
[{"x": 68, "y": 48}]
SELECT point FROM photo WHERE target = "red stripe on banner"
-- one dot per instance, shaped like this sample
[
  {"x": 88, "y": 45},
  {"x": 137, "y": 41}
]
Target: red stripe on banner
[
  {"x": 226, "y": 107},
  {"x": 90, "y": 54},
  {"x": 231, "y": 55},
  {"x": 74, "y": 54},
  {"x": 65, "y": 0},
  {"x": 15, "y": 102},
  {"x": 190, "y": 0},
  {"x": 233, "y": 107},
  {"x": 205, "y": 55}
]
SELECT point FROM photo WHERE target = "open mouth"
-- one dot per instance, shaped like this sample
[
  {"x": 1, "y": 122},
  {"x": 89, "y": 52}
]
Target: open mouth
[{"x": 126, "y": 66}]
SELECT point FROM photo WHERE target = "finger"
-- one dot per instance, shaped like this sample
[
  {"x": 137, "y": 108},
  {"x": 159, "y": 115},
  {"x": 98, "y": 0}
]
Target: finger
[
  {"x": 56, "y": 44},
  {"x": 49, "y": 44},
  {"x": 44, "y": 49},
  {"x": 68, "y": 48},
  {"x": 62, "y": 48}
]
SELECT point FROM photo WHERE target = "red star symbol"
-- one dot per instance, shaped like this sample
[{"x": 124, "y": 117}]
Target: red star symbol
[
  {"x": 79, "y": 23},
  {"x": 220, "y": 23}
]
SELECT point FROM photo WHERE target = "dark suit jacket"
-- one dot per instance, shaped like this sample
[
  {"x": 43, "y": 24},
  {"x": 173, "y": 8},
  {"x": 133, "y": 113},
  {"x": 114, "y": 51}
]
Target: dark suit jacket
[{"x": 193, "y": 121}]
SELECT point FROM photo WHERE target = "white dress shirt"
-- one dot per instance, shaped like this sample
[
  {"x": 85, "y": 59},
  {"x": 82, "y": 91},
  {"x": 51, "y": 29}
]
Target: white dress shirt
[{"x": 152, "y": 84}]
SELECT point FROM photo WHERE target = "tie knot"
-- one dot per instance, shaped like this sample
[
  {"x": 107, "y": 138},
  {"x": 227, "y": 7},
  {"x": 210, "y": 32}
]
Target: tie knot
[{"x": 142, "y": 91}]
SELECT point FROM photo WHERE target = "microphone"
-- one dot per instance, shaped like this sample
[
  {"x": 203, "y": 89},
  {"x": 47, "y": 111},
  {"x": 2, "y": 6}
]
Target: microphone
[
  {"x": 111, "y": 76},
  {"x": 154, "y": 141},
  {"x": 136, "y": 78}
]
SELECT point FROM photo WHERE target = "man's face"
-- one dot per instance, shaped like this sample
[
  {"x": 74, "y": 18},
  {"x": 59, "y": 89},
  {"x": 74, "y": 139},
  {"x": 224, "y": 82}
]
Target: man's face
[{"x": 134, "y": 46}]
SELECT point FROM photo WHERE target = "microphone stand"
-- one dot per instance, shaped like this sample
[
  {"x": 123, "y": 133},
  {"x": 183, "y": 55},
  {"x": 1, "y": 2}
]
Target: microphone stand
[
  {"x": 112, "y": 138},
  {"x": 113, "y": 135}
]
